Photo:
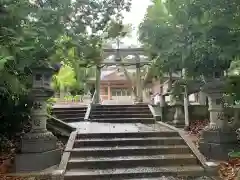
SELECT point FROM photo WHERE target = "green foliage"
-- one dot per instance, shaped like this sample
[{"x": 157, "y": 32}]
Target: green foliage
[
  {"x": 201, "y": 36},
  {"x": 36, "y": 30},
  {"x": 64, "y": 79}
]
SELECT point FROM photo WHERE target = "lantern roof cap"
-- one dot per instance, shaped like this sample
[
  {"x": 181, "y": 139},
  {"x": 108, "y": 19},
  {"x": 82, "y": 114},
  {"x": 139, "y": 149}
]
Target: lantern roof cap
[{"x": 43, "y": 66}]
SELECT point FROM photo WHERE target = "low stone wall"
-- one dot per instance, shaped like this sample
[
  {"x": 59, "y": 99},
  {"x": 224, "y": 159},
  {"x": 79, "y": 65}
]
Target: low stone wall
[{"x": 196, "y": 112}]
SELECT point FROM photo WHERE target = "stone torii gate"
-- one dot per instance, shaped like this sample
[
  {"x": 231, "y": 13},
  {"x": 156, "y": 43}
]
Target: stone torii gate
[{"x": 119, "y": 55}]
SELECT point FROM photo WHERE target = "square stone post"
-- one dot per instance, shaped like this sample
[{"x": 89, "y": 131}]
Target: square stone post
[
  {"x": 185, "y": 100},
  {"x": 162, "y": 101},
  {"x": 138, "y": 81},
  {"x": 218, "y": 138},
  {"x": 178, "y": 119},
  {"x": 39, "y": 147},
  {"x": 97, "y": 86},
  {"x": 202, "y": 98},
  {"x": 186, "y": 106}
]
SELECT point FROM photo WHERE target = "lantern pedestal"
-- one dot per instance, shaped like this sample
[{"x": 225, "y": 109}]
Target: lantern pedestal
[
  {"x": 178, "y": 118},
  {"x": 218, "y": 138},
  {"x": 39, "y": 148}
]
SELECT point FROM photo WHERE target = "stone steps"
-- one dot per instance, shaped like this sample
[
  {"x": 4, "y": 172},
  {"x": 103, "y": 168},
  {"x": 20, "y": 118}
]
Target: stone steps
[
  {"x": 129, "y": 141},
  {"x": 129, "y": 134},
  {"x": 73, "y": 119},
  {"x": 73, "y": 115},
  {"x": 129, "y": 150},
  {"x": 123, "y": 120},
  {"x": 122, "y": 114},
  {"x": 70, "y": 114},
  {"x": 145, "y": 151},
  {"x": 130, "y": 155},
  {"x": 134, "y": 172},
  {"x": 131, "y": 161},
  {"x": 121, "y": 108},
  {"x": 113, "y": 111},
  {"x": 69, "y": 110}
]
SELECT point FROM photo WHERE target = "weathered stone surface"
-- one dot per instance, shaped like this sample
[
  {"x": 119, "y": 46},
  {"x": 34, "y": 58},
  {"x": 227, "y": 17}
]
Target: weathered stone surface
[
  {"x": 179, "y": 116},
  {"x": 216, "y": 144},
  {"x": 39, "y": 147},
  {"x": 28, "y": 162},
  {"x": 38, "y": 142},
  {"x": 218, "y": 138}
]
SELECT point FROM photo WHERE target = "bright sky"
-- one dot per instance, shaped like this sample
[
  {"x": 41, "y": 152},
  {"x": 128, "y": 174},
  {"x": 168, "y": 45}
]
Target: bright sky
[{"x": 135, "y": 17}]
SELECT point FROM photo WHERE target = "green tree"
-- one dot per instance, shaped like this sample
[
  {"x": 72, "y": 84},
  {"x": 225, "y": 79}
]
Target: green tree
[
  {"x": 30, "y": 31},
  {"x": 194, "y": 34},
  {"x": 64, "y": 79}
]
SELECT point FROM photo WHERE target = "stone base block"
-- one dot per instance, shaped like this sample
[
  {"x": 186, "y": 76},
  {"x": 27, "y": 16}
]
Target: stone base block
[
  {"x": 216, "y": 144},
  {"x": 216, "y": 151},
  {"x": 217, "y": 136},
  {"x": 178, "y": 123},
  {"x": 28, "y": 162}
]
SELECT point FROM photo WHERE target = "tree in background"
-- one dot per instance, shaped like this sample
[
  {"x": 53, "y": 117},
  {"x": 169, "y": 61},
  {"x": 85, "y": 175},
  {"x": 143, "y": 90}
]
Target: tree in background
[
  {"x": 200, "y": 36},
  {"x": 64, "y": 80},
  {"x": 36, "y": 30}
]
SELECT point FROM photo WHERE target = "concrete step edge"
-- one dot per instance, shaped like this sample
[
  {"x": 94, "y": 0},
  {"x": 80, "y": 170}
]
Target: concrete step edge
[
  {"x": 129, "y": 139},
  {"x": 131, "y": 118},
  {"x": 129, "y": 148},
  {"x": 136, "y": 170},
  {"x": 132, "y": 158}
]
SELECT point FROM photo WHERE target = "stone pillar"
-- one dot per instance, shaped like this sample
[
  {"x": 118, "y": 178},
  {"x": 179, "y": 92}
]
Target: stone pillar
[
  {"x": 162, "y": 104},
  {"x": 186, "y": 106},
  {"x": 218, "y": 138},
  {"x": 109, "y": 92},
  {"x": 97, "y": 86},
  {"x": 178, "y": 119},
  {"x": 185, "y": 100},
  {"x": 171, "y": 99},
  {"x": 138, "y": 82},
  {"x": 202, "y": 98},
  {"x": 38, "y": 147},
  {"x": 162, "y": 101}
]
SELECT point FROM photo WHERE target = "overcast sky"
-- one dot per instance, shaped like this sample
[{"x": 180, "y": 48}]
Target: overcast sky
[{"x": 135, "y": 17}]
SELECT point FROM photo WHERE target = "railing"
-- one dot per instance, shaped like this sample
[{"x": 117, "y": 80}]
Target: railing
[
  {"x": 59, "y": 126},
  {"x": 93, "y": 101}
]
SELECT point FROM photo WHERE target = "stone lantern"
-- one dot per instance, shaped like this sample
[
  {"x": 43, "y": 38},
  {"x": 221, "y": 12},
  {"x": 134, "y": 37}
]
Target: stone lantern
[
  {"x": 218, "y": 138},
  {"x": 177, "y": 102},
  {"x": 178, "y": 118},
  {"x": 39, "y": 145}
]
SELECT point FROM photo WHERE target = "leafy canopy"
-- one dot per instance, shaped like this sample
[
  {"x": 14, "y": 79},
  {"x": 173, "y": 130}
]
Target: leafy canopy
[
  {"x": 60, "y": 30},
  {"x": 201, "y": 36}
]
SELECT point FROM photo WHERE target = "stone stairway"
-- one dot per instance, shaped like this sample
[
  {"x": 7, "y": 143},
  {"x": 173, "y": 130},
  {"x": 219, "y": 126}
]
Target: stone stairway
[
  {"x": 70, "y": 114},
  {"x": 122, "y": 114},
  {"x": 129, "y": 155}
]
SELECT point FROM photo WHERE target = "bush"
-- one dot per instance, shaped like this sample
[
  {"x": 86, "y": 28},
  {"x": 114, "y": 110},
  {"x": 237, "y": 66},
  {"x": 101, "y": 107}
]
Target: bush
[{"x": 14, "y": 117}]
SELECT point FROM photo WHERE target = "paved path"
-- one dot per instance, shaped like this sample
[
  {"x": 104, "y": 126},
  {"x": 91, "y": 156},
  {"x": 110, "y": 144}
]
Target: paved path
[{"x": 90, "y": 127}]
